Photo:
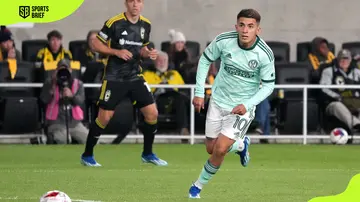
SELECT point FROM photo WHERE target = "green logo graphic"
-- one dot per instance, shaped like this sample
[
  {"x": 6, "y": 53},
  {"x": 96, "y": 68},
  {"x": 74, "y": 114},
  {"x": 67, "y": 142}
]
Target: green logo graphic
[
  {"x": 24, "y": 11},
  {"x": 351, "y": 194},
  {"x": 36, "y": 11}
]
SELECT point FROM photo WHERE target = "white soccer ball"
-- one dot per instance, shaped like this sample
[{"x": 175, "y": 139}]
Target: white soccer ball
[
  {"x": 339, "y": 136},
  {"x": 55, "y": 196}
]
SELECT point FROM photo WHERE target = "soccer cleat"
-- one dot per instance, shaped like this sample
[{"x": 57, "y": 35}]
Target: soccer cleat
[
  {"x": 152, "y": 158},
  {"x": 194, "y": 192},
  {"x": 89, "y": 161},
  {"x": 244, "y": 154}
]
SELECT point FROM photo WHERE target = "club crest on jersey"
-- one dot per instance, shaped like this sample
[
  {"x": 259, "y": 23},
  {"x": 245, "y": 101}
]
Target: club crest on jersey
[
  {"x": 107, "y": 95},
  {"x": 339, "y": 80},
  {"x": 142, "y": 33},
  {"x": 253, "y": 64}
]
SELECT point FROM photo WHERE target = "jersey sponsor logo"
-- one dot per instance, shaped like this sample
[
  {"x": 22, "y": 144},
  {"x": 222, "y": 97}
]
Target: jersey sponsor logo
[
  {"x": 142, "y": 33},
  {"x": 127, "y": 42},
  {"x": 239, "y": 72},
  {"x": 253, "y": 64},
  {"x": 103, "y": 35}
]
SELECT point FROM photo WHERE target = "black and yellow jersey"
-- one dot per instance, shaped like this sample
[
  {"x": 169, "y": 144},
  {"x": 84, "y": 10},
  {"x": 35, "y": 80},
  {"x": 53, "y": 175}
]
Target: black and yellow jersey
[
  {"x": 45, "y": 55},
  {"x": 119, "y": 33}
]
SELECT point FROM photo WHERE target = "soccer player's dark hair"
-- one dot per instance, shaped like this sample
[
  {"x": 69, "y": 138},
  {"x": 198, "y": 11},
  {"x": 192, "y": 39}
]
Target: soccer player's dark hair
[{"x": 249, "y": 13}]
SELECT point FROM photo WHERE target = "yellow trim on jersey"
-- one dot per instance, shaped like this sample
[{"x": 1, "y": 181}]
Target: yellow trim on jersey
[
  {"x": 145, "y": 19},
  {"x": 101, "y": 39},
  {"x": 103, "y": 89},
  {"x": 145, "y": 44},
  {"x": 114, "y": 19}
]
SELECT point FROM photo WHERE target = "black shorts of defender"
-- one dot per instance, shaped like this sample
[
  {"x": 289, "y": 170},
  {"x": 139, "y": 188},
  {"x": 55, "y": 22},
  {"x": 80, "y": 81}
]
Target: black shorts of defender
[{"x": 113, "y": 92}]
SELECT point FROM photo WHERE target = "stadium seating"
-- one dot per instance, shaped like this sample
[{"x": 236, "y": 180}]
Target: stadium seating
[
  {"x": 30, "y": 48},
  {"x": 192, "y": 46},
  {"x": 292, "y": 73},
  {"x": 303, "y": 49},
  {"x": 281, "y": 50},
  {"x": 24, "y": 74},
  {"x": 13, "y": 122},
  {"x": 18, "y": 99},
  {"x": 77, "y": 48},
  {"x": 354, "y": 47},
  {"x": 166, "y": 112},
  {"x": 294, "y": 117}
]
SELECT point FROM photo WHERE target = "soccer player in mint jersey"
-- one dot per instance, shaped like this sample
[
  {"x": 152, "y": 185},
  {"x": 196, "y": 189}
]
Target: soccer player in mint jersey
[{"x": 246, "y": 61}]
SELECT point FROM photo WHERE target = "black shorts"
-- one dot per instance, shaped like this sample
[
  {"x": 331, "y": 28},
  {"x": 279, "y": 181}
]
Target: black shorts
[{"x": 113, "y": 92}]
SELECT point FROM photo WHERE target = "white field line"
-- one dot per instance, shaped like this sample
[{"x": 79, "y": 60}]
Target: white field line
[
  {"x": 15, "y": 198},
  {"x": 184, "y": 170}
]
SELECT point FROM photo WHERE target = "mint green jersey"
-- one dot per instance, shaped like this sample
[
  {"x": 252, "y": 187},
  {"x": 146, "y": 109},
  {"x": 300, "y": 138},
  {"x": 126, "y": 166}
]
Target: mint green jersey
[{"x": 241, "y": 72}]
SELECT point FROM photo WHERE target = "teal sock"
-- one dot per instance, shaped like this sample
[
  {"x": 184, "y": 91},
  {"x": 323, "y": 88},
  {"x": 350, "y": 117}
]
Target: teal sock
[
  {"x": 206, "y": 174},
  {"x": 237, "y": 146}
]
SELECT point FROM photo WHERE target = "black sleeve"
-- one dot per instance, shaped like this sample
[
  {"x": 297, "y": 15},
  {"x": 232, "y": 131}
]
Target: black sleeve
[
  {"x": 147, "y": 36},
  {"x": 106, "y": 32}
]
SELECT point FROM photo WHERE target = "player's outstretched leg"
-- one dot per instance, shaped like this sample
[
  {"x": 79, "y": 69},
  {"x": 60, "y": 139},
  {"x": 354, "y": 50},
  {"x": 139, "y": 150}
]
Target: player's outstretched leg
[
  {"x": 212, "y": 165},
  {"x": 96, "y": 129},
  {"x": 240, "y": 147},
  {"x": 149, "y": 128},
  {"x": 244, "y": 153}
]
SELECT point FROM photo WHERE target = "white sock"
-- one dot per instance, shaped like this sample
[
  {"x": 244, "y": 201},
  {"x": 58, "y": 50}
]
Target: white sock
[
  {"x": 198, "y": 184},
  {"x": 241, "y": 146}
]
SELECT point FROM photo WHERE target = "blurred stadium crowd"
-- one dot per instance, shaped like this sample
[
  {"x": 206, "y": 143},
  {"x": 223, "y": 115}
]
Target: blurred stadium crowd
[{"x": 26, "y": 110}]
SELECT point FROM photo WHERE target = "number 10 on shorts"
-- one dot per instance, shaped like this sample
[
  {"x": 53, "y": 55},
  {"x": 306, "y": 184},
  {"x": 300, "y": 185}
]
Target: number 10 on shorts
[{"x": 242, "y": 124}]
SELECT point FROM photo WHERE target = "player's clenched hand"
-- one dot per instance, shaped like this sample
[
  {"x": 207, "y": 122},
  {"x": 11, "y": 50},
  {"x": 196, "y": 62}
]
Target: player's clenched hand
[
  {"x": 149, "y": 53},
  {"x": 153, "y": 54},
  {"x": 240, "y": 109},
  {"x": 198, "y": 103},
  {"x": 124, "y": 54}
]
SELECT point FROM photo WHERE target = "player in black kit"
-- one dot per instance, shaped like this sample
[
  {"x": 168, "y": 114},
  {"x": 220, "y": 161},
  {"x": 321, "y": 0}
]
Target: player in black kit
[{"x": 124, "y": 38}]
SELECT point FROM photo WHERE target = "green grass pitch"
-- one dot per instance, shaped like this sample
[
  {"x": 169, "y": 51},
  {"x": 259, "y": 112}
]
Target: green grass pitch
[{"x": 276, "y": 173}]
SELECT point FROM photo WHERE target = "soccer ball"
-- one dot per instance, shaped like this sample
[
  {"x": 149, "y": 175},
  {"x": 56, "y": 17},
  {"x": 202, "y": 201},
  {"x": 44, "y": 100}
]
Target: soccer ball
[
  {"x": 55, "y": 196},
  {"x": 339, "y": 136}
]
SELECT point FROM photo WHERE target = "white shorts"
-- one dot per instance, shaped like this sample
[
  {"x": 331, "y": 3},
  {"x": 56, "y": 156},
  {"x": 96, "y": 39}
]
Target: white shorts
[{"x": 233, "y": 126}]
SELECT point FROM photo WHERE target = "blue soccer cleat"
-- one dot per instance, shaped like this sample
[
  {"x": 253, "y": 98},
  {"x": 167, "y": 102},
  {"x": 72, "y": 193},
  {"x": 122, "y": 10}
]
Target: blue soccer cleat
[
  {"x": 194, "y": 192},
  {"x": 89, "y": 161},
  {"x": 244, "y": 154},
  {"x": 152, "y": 158}
]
